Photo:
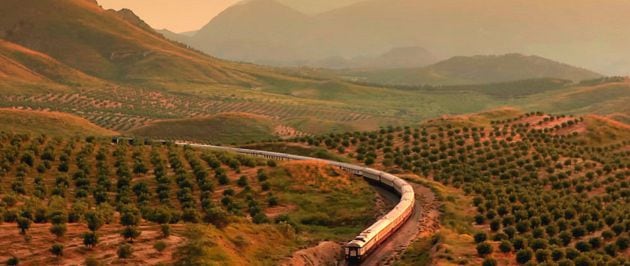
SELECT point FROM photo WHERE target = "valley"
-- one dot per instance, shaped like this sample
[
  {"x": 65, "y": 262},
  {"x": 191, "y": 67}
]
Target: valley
[{"x": 437, "y": 133}]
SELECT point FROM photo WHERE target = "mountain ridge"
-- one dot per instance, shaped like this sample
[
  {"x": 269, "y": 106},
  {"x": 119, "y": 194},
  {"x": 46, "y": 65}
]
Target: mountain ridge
[
  {"x": 446, "y": 28},
  {"x": 478, "y": 69}
]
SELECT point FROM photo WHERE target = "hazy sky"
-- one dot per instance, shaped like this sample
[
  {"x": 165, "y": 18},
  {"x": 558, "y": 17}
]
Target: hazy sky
[{"x": 175, "y": 15}]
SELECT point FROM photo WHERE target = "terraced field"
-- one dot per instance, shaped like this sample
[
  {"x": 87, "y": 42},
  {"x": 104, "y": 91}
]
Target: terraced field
[{"x": 125, "y": 109}]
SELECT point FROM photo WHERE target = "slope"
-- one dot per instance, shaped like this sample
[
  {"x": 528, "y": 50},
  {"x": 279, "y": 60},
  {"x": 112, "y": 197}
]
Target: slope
[
  {"x": 476, "y": 70},
  {"x": 257, "y": 30},
  {"x": 109, "y": 45},
  {"x": 23, "y": 69},
  {"x": 562, "y": 29},
  {"x": 49, "y": 123}
]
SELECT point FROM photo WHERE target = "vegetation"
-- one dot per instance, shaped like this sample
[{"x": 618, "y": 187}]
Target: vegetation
[
  {"x": 82, "y": 183},
  {"x": 542, "y": 188}
]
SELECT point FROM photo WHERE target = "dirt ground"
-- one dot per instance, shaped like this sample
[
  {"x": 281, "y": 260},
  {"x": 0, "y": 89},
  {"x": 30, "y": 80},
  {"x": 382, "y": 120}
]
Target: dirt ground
[{"x": 33, "y": 249}]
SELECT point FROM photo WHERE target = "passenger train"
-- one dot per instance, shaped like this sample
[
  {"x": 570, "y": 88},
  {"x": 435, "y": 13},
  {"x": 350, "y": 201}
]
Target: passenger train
[{"x": 367, "y": 241}]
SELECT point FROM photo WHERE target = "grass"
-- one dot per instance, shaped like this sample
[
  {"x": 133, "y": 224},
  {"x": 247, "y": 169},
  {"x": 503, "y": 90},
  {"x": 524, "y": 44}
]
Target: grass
[
  {"x": 50, "y": 123},
  {"x": 297, "y": 150},
  {"x": 231, "y": 128},
  {"x": 320, "y": 198}
]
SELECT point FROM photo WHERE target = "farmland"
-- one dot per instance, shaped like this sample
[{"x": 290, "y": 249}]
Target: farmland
[
  {"x": 515, "y": 188},
  {"x": 70, "y": 200}
]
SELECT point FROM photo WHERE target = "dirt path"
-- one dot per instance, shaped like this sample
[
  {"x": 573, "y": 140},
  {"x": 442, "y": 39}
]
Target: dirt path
[{"x": 423, "y": 222}]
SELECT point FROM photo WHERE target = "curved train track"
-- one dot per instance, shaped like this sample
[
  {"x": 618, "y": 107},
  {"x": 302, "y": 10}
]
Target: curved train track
[{"x": 368, "y": 240}]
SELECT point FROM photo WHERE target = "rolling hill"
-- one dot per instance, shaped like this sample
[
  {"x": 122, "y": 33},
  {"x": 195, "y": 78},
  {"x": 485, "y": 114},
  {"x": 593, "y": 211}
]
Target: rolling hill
[
  {"x": 475, "y": 70},
  {"x": 564, "y": 30},
  {"x": 49, "y": 123},
  {"x": 111, "y": 69},
  {"x": 114, "y": 46},
  {"x": 22, "y": 69}
]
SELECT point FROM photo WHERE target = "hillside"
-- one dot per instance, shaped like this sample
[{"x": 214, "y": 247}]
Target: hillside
[
  {"x": 514, "y": 188},
  {"x": 462, "y": 70},
  {"x": 50, "y": 123},
  {"x": 23, "y": 69},
  {"x": 236, "y": 33},
  {"x": 166, "y": 204},
  {"x": 225, "y": 128},
  {"x": 562, "y": 30},
  {"x": 114, "y": 46}
]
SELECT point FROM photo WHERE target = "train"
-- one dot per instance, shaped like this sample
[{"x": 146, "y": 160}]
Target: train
[{"x": 369, "y": 239}]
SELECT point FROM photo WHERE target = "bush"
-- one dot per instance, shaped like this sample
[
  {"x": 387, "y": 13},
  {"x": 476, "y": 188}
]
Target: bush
[
  {"x": 57, "y": 250},
  {"x": 505, "y": 246},
  {"x": 13, "y": 261},
  {"x": 94, "y": 220},
  {"x": 130, "y": 233},
  {"x": 480, "y": 237},
  {"x": 125, "y": 251},
  {"x": 523, "y": 256},
  {"x": 23, "y": 224},
  {"x": 583, "y": 260},
  {"x": 542, "y": 255},
  {"x": 160, "y": 246},
  {"x": 489, "y": 262},
  {"x": 90, "y": 239},
  {"x": 484, "y": 249},
  {"x": 58, "y": 229},
  {"x": 166, "y": 230},
  {"x": 216, "y": 216}
]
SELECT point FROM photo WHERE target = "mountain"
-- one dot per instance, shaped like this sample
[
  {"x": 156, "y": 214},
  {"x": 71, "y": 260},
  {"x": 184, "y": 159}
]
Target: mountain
[
  {"x": 22, "y": 68},
  {"x": 315, "y": 7},
  {"x": 400, "y": 57},
  {"x": 476, "y": 70},
  {"x": 255, "y": 31},
  {"x": 178, "y": 37},
  {"x": 581, "y": 32},
  {"x": 113, "y": 46}
]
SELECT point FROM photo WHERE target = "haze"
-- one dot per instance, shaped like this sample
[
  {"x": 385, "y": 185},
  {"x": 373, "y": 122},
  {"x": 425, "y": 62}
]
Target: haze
[{"x": 177, "y": 16}]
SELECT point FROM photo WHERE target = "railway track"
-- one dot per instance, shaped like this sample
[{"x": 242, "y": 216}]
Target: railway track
[{"x": 370, "y": 240}]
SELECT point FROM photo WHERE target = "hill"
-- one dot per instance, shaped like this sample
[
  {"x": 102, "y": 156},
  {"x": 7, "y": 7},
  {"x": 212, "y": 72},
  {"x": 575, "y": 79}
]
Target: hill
[
  {"x": 114, "y": 46},
  {"x": 227, "y": 128},
  {"x": 501, "y": 177},
  {"x": 23, "y": 69},
  {"x": 476, "y": 70},
  {"x": 398, "y": 57},
  {"x": 253, "y": 31},
  {"x": 50, "y": 123},
  {"x": 561, "y": 30},
  {"x": 176, "y": 205}
]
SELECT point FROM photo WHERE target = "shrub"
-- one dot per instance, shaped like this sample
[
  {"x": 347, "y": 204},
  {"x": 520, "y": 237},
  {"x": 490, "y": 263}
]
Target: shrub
[
  {"x": 523, "y": 256},
  {"x": 90, "y": 239},
  {"x": 542, "y": 255},
  {"x": 23, "y": 224},
  {"x": 166, "y": 230},
  {"x": 484, "y": 249},
  {"x": 130, "y": 233},
  {"x": 13, "y": 261},
  {"x": 489, "y": 262},
  {"x": 58, "y": 229},
  {"x": 480, "y": 237},
  {"x": 160, "y": 246},
  {"x": 125, "y": 251},
  {"x": 57, "y": 250},
  {"x": 505, "y": 246},
  {"x": 94, "y": 220}
]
